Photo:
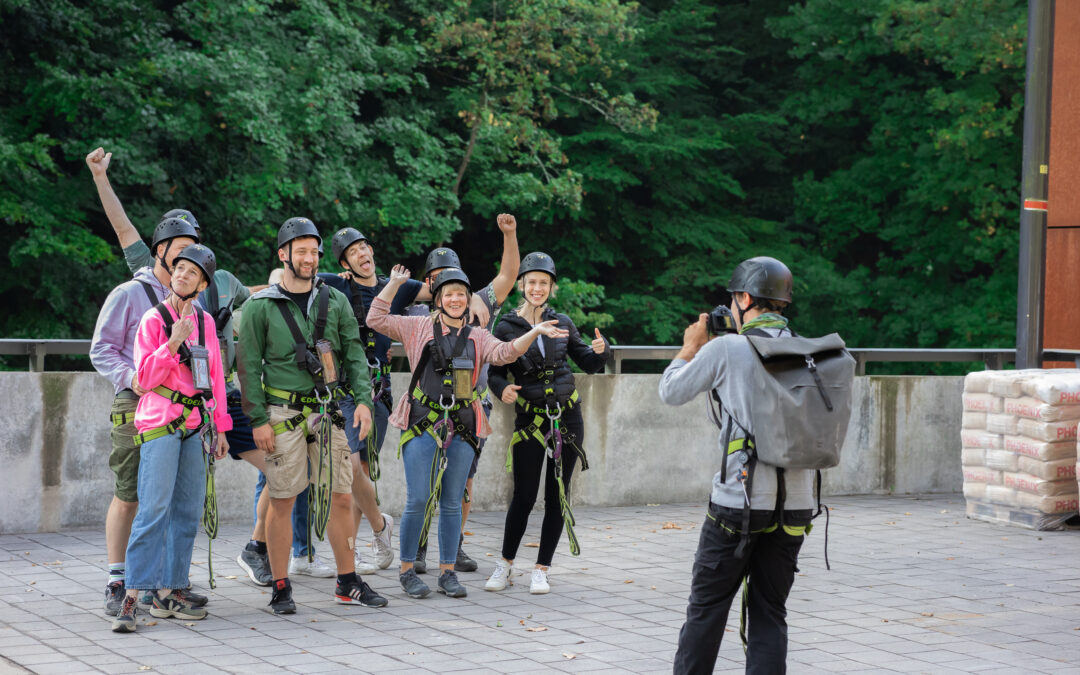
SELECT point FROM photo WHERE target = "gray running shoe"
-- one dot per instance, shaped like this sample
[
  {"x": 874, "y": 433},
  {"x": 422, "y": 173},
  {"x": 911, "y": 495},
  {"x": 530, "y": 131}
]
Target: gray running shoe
[
  {"x": 256, "y": 565},
  {"x": 463, "y": 563},
  {"x": 125, "y": 616},
  {"x": 450, "y": 586},
  {"x": 382, "y": 543},
  {"x": 114, "y": 597},
  {"x": 172, "y": 606},
  {"x": 420, "y": 564},
  {"x": 412, "y": 584}
]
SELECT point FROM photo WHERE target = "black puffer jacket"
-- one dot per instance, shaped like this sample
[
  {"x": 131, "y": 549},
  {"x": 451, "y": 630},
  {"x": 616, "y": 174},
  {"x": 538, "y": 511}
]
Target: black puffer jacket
[{"x": 528, "y": 370}]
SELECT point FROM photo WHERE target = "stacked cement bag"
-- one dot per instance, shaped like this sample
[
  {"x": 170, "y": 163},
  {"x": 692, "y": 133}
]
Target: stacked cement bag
[{"x": 1019, "y": 446}]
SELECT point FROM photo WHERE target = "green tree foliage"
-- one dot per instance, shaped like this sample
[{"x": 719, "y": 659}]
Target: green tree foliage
[{"x": 872, "y": 144}]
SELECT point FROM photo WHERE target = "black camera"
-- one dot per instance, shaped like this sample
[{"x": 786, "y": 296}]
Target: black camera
[{"x": 721, "y": 321}]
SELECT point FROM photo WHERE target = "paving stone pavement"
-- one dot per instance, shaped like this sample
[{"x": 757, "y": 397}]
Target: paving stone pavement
[{"x": 915, "y": 587}]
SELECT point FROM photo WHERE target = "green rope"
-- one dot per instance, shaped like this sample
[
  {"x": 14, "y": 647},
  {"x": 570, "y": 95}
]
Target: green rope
[
  {"x": 439, "y": 460},
  {"x": 324, "y": 484},
  {"x": 210, "y": 515}
]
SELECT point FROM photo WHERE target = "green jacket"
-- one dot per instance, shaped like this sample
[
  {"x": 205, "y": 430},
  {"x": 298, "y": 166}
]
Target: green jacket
[{"x": 265, "y": 351}]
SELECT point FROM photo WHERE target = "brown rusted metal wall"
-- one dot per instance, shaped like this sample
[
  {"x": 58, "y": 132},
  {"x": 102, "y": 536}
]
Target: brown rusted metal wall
[{"x": 1062, "y": 317}]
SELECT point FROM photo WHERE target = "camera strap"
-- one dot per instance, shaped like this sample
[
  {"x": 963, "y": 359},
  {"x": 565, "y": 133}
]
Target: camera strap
[{"x": 300, "y": 343}]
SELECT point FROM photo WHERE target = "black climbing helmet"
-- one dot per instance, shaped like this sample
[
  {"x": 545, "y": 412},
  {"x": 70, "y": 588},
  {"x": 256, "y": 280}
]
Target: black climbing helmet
[
  {"x": 201, "y": 256},
  {"x": 537, "y": 262},
  {"x": 170, "y": 228},
  {"x": 762, "y": 277},
  {"x": 447, "y": 277},
  {"x": 343, "y": 239},
  {"x": 295, "y": 228},
  {"x": 440, "y": 258},
  {"x": 183, "y": 214}
]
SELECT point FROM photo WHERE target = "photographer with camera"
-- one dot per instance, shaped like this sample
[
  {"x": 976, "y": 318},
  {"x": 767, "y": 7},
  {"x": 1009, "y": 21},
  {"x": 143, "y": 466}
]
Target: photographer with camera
[
  {"x": 299, "y": 346},
  {"x": 758, "y": 513}
]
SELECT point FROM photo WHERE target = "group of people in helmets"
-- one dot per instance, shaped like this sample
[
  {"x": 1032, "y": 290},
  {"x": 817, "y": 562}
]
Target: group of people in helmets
[{"x": 297, "y": 383}]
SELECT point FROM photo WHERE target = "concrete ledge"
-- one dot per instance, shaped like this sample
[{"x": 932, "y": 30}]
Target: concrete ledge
[{"x": 904, "y": 438}]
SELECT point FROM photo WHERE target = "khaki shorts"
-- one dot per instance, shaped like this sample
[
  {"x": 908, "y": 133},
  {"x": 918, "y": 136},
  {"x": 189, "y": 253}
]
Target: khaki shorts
[
  {"x": 286, "y": 468},
  {"x": 124, "y": 457}
]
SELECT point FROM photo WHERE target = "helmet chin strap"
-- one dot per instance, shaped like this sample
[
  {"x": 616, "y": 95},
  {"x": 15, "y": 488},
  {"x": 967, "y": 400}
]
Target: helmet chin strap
[
  {"x": 448, "y": 314},
  {"x": 288, "y": 263},
  {"x": 742, "y": 312},
  {"x": 165, "y": 265}
]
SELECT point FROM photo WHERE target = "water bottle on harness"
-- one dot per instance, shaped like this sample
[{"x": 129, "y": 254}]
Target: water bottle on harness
[
  {"x": 446, "y": 390},
  {"x": 555, "y": 438},
  {"x": 317, "y": 409}
]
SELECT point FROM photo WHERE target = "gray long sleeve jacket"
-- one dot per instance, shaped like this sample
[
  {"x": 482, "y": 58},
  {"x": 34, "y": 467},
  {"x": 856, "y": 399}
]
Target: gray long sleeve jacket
[{"x": 723, "y": 364}]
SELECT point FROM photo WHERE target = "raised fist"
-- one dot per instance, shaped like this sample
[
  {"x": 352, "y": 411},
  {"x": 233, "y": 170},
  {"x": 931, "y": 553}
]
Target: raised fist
[{"x": 98, "y": 161}]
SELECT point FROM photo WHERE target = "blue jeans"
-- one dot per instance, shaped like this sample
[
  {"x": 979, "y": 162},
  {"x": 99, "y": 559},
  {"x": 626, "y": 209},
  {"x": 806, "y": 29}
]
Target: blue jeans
[
  {"x": 299, "y": 518},
  {"x": 380, "y": 414},
  {"x": 172, "y": 485},
  {"x": 418, "y": 455}
]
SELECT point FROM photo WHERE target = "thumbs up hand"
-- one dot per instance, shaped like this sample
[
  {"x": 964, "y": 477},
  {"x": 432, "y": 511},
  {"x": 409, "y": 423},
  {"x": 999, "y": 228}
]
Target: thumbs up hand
[{"x": 598, "y": 344}]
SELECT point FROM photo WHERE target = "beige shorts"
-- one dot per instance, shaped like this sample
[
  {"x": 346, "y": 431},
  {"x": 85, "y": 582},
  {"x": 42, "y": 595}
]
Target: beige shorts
[{"x": 286, "y": 468}]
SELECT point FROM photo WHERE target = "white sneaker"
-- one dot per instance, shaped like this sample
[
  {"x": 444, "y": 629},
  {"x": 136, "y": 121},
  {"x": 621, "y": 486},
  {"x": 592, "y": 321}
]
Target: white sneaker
[
  {"x": 363, "y": 566},
  {"x": 384, "y": 552},
  {"x": 498, "y": 579},
  {"x": 539, "y": 584},
  {"x": 316, "y": 568}
]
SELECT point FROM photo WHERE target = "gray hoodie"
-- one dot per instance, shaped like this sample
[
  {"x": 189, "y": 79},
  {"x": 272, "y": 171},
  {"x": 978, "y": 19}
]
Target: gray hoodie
[{"x": 722, "y": 364}]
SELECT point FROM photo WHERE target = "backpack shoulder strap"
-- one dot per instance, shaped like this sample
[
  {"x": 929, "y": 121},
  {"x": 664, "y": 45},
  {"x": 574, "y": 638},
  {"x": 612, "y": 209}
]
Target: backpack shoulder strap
[
  {"x": 323, "y": 310},
  {"x": 299, "y": 341},
  {"x": 150, "y": 293}
]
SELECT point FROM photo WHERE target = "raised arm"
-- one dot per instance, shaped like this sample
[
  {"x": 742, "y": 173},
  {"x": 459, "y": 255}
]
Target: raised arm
[
  {"x": 697, "y": 368},
  {"x": 379, "y": 317},
  {"x": 504, "y": 281},
  {"x": 98, "y": 161}
]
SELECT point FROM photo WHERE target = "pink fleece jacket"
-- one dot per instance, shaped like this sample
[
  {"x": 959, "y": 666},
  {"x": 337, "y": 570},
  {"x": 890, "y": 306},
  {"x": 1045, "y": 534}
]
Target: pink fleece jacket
[
  {"x": 414, "y": 332},
  {"x": 156, "y": 366}
]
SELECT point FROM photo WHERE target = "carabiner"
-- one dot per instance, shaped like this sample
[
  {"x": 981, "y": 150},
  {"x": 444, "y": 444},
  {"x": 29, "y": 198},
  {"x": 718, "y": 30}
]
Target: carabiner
[
  {"x": 323, "y": 401},
  {"x": 446, "y": 406},
  {"x": 558, "y": 411}
]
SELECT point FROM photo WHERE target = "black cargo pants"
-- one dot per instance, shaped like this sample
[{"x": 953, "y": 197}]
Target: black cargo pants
[{"x": 769, "y": 562}]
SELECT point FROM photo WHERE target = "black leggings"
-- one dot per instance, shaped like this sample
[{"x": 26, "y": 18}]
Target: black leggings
[{"x": 529, "y": 458}]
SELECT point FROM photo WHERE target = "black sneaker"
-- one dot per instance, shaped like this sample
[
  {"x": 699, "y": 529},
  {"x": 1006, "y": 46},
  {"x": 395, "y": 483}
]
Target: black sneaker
[
  {"x": 114, "y": 597},
  {"x": 412, "y": 584},
  {"x": 125, "y": 616},
  {"x": 358, "y": 594},
  {"x": 190, "y": 597},
  {"x": 463, "y": 563},
  {"x": 281, "y": 601},
  {"x": 450, "y": 586},
  {"x": 257, "y": 566},
  {"x": 420, "y": 564}
]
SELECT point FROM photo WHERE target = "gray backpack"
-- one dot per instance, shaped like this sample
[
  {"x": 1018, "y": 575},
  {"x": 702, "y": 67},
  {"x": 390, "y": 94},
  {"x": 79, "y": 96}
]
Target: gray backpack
[
  {"x": 802, "y": 403},
  {"x": 801, "y": 406}
]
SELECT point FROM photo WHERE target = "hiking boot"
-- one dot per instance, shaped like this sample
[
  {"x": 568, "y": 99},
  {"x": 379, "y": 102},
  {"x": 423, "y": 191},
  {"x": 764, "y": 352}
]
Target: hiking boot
[
  {"x": 500, "y": 577},
  {"x": 539, "y": 584},
  {"x": 384, "y": 552},
  {"x": 450, "y": 586},
  {"x": 114, "y": 597},
  {"x": 257, "y": 566},
  {"x": 125, "y": 616},
  {"x": 413, "y": 586},
  {"x": 463, "y": 563},
  {"x": 281, "y": 601},
  {"x": 171, "y": 606},
  {"x": 190, "y": 597},
  {"x": 363, "y": 566},
  {"x": 361, "y": 594},
  {"x": 420, "y": 564},
  {"x": 315, "y": 568}
]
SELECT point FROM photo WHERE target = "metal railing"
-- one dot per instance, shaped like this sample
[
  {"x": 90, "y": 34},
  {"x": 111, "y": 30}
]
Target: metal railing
[{"x": 994, "y": 359}]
